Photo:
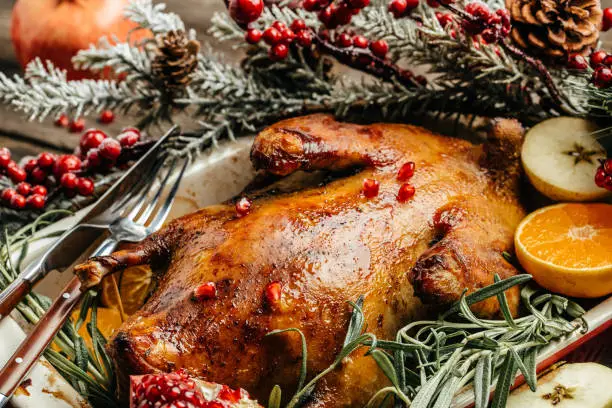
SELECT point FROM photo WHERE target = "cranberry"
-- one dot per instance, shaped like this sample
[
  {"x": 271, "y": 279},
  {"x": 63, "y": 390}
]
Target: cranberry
[
  {"x": 253, "y": 36},
  {"x": 600, "y": 177},
  {"x": 93, "y": 159},
  {"x": 272, "y": 36},
  {"x": 406, "y": 171},
  {"x": 16, "y": 173},
  {"x": 379, "y": 48},
  {"x": 24, "y": 188},
  {"x": 91, "y": 140},
  {"x": 5, "y": 157},
  {"x": 405, "y": 193},
  {"x": 7, "y": 194},
  {"x": 69, "y": 181},
  {"x": 18, "y": 201},
  {"x": 38, "y": 175},
  {"x": 243, "y": 206},
  {"x": 478, "y": 10},
  {"x": 311, "y": 5},
  {"x": 602, "y": 77},
  {"x": 62, "y": 121},
  {"x": 245, "y": 11},
  {"x": 298, "y": 25},
  {"x": 358, "y": 4},
  {"x": 288, "y": 35},
  {"x": 273, "y": 292},
  {"x": 279, "y": 25},
  {"x": 370, "y": 188},
  {"x": 85, "y": 186},
  {"x": 77, "y": 125},
  {"x": 577, "y": 61},
  {"x": 433, "y": 3},
  {"x": 110, "y": 149},
  {"x": 128, "y": 138},
  {"x": 606, "y": 22},
  {"x": 325, "y": 16},
  {"x": 46, "y": 160},
  {"x": 344, "y": 40},
  {"x": 36, "y": 201},
  {"x": 597, "y": 58},
  {"x": 608, "y": 183},
  {"x": 205, "y": 291},
  {"x": 607, "y": 166},
  {"x": 66, "y": 163},
  {"x": 398, "y": 7},
  {"x": 304, "y": 38},
  {"x": 30, "y": 165},
  {"x": 412, "y": 4},
  {"x": 342, "y": 15},
  {"x": 279, "y": 52},
  {"x": 360, "y": 41},
  {"x": 444, "y": 18},
  {"x": 40, "y": 190},
  {"x": 106, "y": 117}
]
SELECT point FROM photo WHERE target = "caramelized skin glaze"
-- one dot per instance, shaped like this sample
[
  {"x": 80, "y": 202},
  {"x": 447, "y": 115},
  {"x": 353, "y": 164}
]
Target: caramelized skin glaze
[{"x": 326, "y": 245}]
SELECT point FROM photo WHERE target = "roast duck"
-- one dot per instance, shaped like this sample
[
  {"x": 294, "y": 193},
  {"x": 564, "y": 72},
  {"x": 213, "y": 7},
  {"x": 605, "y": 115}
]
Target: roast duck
[{"x": 298, "y": 256}]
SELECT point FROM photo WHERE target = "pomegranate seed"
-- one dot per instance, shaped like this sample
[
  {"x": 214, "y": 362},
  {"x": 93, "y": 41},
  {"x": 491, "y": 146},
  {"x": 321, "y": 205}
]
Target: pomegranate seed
[
  {"x": 85, "y": 186},
  {"x": 62, "y": 121},
  {"x": 379, "y": 48},
  {"x": 39, "y": 190},
  {"x": 406, "y": 171},
  {"x": 298, "y": 25},
  {"x": 110, "y": 149},
  {"x": 30, "y": 165},
  {"x": 370, "y": 188},
  {"x": 360, "y": 41},
  {"x": 405, "y": 193},
  {"x": 253, "y": 36},
  {"x": 128, "y": 138},
  {"x": 77, "y": 125},
  {"x": 38, "y": 175},
  {"x": 243, "y": 206},
  {"x": 106, "y": 117},
  {"x": 229, "y": 394},
  {"x": 7, "y": 194},
  {"x": 273, "y": 292},
  {"x": 24, "y": 188},
  {"x": 5, "y": 157},
  {"x": 46, "y": 160},
  {"x": 91, "y": 139},
  {"x": 607, "y": 166},
  {"x": 600, "y": 177},
  {"x": 18, "y": 201},
  {"x": 36, "y": 201},
  {"x": 66, "y": 163},
  {"x": 16, "y": 174},
  {"x": 272, "y": 36},
  {"x": 205, "y": 291},
  {"x": 597, "y": 58}
]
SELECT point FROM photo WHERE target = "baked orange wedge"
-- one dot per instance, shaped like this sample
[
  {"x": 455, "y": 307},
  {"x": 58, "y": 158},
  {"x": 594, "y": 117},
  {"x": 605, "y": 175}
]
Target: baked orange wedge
[{"x": 568, "y": 248}]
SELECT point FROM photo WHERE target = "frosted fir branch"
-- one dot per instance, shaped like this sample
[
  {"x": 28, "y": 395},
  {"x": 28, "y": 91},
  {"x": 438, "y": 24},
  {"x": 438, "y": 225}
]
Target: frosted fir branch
[{"x": 153, "y": 17}]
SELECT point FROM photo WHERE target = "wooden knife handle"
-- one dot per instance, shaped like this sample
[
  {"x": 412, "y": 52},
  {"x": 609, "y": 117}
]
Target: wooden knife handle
[
  {"x": 15, "y": 370},
  {"x": 13, "y": 295}
]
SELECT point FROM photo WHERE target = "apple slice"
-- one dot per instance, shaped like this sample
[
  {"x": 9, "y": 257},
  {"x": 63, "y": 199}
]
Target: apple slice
[
  {"x": 560, "y": 157},
  {"x": 579, "y": 385}
]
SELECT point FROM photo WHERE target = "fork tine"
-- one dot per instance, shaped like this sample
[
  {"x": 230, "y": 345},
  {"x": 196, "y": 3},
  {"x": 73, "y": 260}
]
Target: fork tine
[
  {"x": 146, "y": 213},
  {"x": 137, "y": 203},
  {"x": 162, "y": 213}
]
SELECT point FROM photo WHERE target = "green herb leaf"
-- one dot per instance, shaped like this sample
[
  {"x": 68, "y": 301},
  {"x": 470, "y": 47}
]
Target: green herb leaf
[
  {"x": 304, "y": 368},
  {"x": 507, "y": 373},
  {"x": 482, "y": 381},
  {"x": 355, "y": 326},
  {"x": 503, "y": 304},
  {"x": 530, "y": 366},
  {"x": 385, "y": 364}
]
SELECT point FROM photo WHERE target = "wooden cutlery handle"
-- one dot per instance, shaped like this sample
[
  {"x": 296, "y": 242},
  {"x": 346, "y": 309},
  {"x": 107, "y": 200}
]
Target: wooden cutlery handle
[
  {"x": 13, "y": 295},
  {"x": 29, "y": 351}
]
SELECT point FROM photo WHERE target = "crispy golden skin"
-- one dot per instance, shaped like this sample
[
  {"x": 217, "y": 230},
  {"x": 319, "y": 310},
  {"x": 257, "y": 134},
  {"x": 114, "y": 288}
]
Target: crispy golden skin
[{"x": 326, "y": 244}]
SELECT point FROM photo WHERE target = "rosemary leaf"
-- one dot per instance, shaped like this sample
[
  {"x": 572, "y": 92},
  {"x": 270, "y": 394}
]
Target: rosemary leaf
[
  {"x": 386, "y": 365},
  {"x": 503, "y": 305},
  {"x": 505, "y": 380},
  {"x": 356, "y": 323},
  {"x": 304, "y": 367},
  {"x": 482, "y": 381}
]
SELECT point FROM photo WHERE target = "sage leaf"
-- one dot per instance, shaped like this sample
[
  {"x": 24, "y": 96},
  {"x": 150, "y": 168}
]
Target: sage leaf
[
  {"x": 482, "y": 381},
  {"x": 274, "y": 400},
  {"x": 505, "y": 379}
]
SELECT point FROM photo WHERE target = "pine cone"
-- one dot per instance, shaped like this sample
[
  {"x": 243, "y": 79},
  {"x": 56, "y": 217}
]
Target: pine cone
[
  {"x": 176, "y": 60},
  {"x": 555, "y": 28}
]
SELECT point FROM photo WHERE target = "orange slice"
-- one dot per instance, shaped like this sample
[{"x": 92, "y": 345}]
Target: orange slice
[
  {"x": 134, "y": 284},
  {"x": 568, "y": 248}
]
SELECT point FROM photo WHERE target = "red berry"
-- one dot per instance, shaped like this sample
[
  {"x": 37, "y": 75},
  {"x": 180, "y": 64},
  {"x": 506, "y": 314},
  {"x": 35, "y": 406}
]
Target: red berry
[
  {"x": 398, "y": 7},
  {"x": 577, "y": 61},
  {"x": 128, "y": 138},
  {"x": 91, "y": 139},
  {"x": 46, "y": 160},
  {"x": 311, "y": 5},
  {"x": 608, "y": 183},
  {"x": 273, "y": 293},
  {"x": 600, "y": 177},
  {"x": 606, "y": 22},
  {"x": 65, "y": 164},
  {"x": 278, "y": 52},
  {"x": 7, "y": 194},
  {"x": 597, "y": 58},
  {"x": 30, "y": 165},
  {"x": 5, "y": 157},
  {"x": 279, "y": 25},
  {"x": 607, "y": 166},
  {"x": 38, "y": 175},
  {"x": 370, "y": 188},
  {"x": 608, "y": 61},
  {"x": 106, "y": 117},
  {"x": 478, "y": 10},
  {"x": 360, "y": 41},
  {"x": 243, "y": 206},
  {"x": 287, "y": 35},
  {"x": 344, "y": 40},
  {"x": 325, "y": 16},
  {"x": 379, "y": 48},
  {"x": 342, "y": 15},
  {"x": 298, "y": 25},
  {"x": 24, "y": 188},
  {"x": 412, "y": 4},
  {"x": 40, "y": 190},
  {"x": 358, "y": 4},
  {"x": 272, "y": 36},
  {"x": 433, "y": 3},
  {"x": 85, "y": 186},
  {"x": 205, "y": 291},
  {"x": 444, "y": 18},
  {"x": 110, "y": 149},
  {"x": 304, "y": 38},
  {"x": 77, "y": 125},
  {"x": 602, "y": 77},
  {"x": 93, "y": 159},
  {"x": 253, "y": 36},
  {"x": 406, "y": 171},
  {"x": 16, "y": 173},
  {"x": 18, "y": 202},
  {"x": 36, "y": 201},
  {"x": 62, "y": 121},
  {"x": 69, "y": 181},
  {"x": 405, "y": 193},
  {"x": 245, "y": 11}
]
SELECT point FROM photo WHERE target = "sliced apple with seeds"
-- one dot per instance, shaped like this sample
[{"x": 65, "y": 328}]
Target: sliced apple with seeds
[{"x": 560, "y": 157}]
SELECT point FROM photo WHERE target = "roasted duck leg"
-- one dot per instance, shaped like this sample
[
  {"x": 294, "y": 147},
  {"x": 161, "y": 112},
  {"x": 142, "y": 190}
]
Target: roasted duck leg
[{"x": 323, "y": 246}]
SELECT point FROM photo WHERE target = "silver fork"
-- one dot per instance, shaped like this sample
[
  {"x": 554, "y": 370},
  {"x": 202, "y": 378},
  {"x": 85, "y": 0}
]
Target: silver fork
[{"x": 144, "y": 215}]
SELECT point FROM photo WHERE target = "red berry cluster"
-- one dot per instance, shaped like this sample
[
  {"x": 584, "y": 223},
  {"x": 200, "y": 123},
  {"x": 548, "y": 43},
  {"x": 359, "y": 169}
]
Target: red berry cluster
[
  {"x": 601, "y": 62},
  {"x": 77, "y": 125},
  {"x": 606, "y": 22},
  {"x": 279, "y": 37},
  {"x": 491, "y": 26},
  {"x": 603, "y": 176},
  {"x": 406, "y": 191},
  {"x": 437, "y": 3},
  {"x": 333, "y": 15}
]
